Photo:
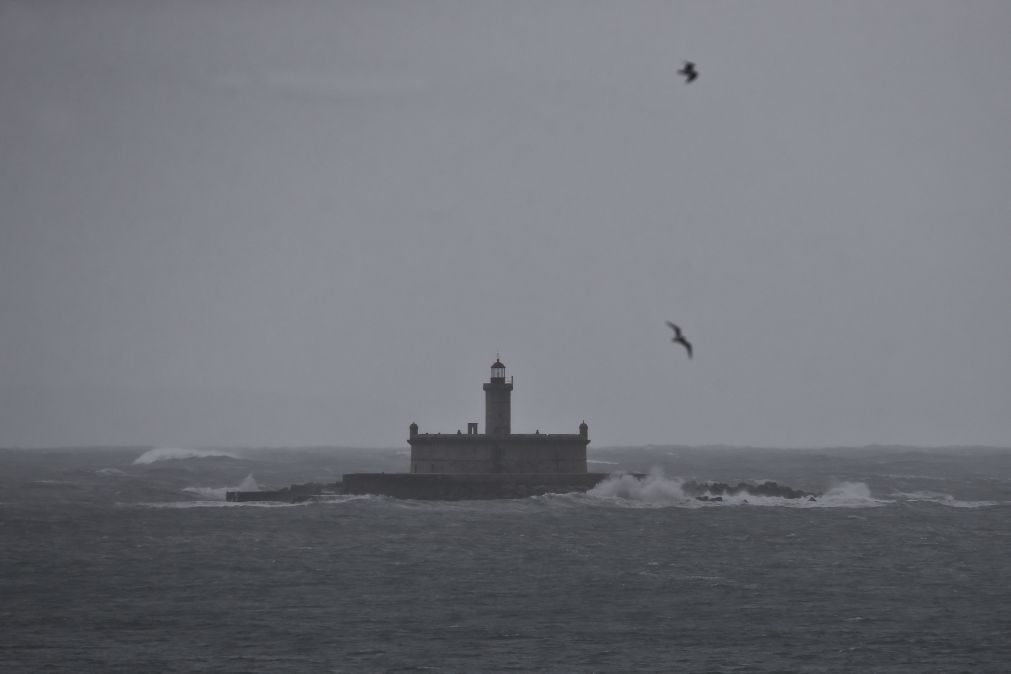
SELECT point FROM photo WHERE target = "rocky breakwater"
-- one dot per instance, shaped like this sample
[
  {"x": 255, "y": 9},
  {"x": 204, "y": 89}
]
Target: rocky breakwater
[{"x": 719, "y": 491}]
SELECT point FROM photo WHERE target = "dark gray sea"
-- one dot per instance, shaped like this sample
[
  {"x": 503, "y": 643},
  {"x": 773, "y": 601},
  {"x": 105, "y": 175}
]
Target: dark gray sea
[{"x": 130, "y": 560}]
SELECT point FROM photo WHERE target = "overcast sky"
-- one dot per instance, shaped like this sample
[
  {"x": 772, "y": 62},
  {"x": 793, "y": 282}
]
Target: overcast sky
[{"x": 238, "y": 222}]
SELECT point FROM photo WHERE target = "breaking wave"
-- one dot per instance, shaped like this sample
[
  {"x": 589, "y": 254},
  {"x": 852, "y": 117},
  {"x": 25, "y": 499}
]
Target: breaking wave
[
  {"x": 657, "y": 490},
  {"x": 174, "y": 453},
  {"x": 218, "y": 493},
  {"x": 848, "y": 495},
  {"x": 653, "y": 489}
]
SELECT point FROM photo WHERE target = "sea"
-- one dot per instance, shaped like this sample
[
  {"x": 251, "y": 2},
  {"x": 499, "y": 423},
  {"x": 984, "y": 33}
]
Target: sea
[{"x": 130, "y": 560}]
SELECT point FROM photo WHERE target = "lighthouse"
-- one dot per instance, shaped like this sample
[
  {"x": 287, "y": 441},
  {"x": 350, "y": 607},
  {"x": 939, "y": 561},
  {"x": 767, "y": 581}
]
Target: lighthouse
[
  {"x": 497, "y": 401},
  {"x": 499, "y": 451}
]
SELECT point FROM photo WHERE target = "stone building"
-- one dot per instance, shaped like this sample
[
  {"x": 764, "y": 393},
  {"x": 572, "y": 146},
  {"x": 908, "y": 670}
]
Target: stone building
[{"x": 498, "y": 450}]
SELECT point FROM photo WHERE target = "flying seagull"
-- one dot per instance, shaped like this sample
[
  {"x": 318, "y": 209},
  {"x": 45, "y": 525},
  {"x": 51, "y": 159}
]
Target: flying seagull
[
  {"x": 689, "y": 72},
  {"x": 678, "y": 338}
]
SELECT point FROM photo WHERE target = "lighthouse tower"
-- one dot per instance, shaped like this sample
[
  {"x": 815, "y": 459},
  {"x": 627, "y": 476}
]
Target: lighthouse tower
[{"x": 497, "y": 401}]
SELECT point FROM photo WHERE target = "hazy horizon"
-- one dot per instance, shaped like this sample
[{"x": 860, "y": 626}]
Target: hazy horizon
[
  {"x": 607, "y": 449},
  {"x": 237, "y": 224}
]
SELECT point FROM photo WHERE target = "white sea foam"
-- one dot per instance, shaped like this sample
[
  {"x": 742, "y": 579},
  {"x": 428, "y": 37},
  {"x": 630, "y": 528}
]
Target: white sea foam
[
  {"x": 847, "y": 495},
  {"x": 248, "y": 484},
  {"x": 176, "y": 453},
  {"x": 943, "y": 499},
  {"x": 347, "y": 498},
  {"x": 218, "y": 493},
  {"x": 110, "y": 472},
  {"x": 657, "y": 490}
]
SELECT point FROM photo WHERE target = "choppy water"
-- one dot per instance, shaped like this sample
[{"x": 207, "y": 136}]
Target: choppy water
[{"x": 130, "y": 561}]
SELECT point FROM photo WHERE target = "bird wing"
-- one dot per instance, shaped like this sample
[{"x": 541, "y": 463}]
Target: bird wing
[
  {"x": 683, "y": 342},
  {"x": 676, "y": 329}
]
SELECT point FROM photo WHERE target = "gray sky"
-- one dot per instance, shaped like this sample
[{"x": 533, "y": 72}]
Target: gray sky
[{"x": 238, "y": 222}]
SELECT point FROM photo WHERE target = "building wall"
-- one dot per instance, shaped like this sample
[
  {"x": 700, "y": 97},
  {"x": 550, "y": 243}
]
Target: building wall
[
  {"x": 434, "y": 454},
  {"x": 470, "y": 454}
]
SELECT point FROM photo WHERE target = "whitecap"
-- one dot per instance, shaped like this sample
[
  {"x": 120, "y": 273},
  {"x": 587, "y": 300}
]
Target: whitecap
[{"x": 943, "y": 499}]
